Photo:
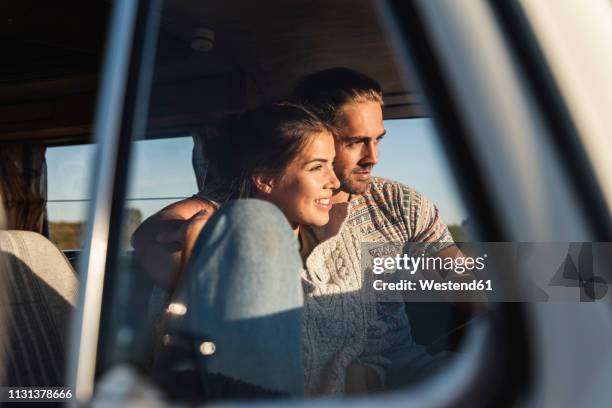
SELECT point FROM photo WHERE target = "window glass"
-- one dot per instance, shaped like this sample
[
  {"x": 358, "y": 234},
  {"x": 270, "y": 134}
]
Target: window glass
[
  {"x": 68, "y": 172},
  {"x": 157, "y": 314},
  {"x": 161, "y": 174},
  {"x": 411, "y": 154}
]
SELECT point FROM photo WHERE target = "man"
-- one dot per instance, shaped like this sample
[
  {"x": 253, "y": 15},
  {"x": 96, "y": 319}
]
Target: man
[
  {"x": 352, "y": 104},
  {"x": 382, "y": 210}
]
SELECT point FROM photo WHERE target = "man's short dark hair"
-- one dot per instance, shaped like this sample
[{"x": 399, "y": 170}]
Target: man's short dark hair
[{"x": 327, "y": 92}]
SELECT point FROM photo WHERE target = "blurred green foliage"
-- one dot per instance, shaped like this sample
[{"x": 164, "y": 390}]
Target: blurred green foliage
[{"x": 67, "y": 235}]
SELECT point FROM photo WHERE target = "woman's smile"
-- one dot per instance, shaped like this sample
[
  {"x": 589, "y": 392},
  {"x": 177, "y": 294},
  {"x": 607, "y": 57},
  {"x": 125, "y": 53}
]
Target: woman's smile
[{"x": 304, "y": 191}]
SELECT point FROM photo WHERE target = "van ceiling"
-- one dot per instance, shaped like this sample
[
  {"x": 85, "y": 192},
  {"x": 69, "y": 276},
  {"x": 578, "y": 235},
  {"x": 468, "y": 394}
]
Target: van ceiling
[{"x": 52, "y": 54}]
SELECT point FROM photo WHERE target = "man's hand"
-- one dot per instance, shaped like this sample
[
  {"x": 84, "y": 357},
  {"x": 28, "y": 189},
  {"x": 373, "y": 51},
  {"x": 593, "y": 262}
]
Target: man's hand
[
  {"x": 187, "y": 236},
  {"x": 187, "y": 230},
  {"x": 361, "y": 379},
  {"x": 162, "y": 239}
]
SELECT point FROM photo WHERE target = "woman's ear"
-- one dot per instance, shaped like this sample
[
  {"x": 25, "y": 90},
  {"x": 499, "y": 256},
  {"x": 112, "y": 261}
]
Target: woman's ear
[{"x": 263, "y": 183}]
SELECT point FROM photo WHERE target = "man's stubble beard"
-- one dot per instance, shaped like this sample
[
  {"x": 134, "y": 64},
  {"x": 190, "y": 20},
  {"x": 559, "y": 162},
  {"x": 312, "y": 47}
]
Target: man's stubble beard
[{"x": 353, "y": 186}]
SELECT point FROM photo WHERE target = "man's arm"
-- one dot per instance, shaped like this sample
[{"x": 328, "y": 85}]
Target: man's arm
[
  {"x": 422, "y": 219},
  {"x": 159, "y": 241}
]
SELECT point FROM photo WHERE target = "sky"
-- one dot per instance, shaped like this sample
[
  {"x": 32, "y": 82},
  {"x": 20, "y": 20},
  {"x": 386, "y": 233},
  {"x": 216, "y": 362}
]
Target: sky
[{"x": 410, "y": 153}]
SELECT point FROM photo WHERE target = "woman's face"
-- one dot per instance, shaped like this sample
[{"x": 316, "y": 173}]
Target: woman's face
[{"x": 304, "y": 192}]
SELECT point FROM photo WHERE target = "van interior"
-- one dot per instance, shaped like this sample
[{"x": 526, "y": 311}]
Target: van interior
[{"x": 212, "y": 59}]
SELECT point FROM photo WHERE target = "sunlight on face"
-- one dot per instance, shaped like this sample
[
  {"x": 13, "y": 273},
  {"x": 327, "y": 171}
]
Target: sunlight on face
[
  {"x": 357, "y": 145},
  {"x": 304, "y": 191}
]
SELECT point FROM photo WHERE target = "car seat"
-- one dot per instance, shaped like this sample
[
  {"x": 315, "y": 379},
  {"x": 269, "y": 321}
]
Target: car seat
[{"x": 38, "y": 293}]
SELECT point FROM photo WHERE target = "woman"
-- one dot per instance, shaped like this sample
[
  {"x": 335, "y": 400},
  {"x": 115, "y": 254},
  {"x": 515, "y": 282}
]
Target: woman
[
  {"x": 280, "y": 153},
  {"x": 244, "y": 285}
]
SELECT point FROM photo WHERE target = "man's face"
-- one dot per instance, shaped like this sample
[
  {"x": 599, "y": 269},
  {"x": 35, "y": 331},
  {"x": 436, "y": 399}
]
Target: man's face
[{"x": 357, "y": 145}]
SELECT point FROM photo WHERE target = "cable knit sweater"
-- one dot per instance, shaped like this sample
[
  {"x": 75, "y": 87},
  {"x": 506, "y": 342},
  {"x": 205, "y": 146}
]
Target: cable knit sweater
[
  {"x": 341, "y": 325},
  {"x": 335, "y": 312}
]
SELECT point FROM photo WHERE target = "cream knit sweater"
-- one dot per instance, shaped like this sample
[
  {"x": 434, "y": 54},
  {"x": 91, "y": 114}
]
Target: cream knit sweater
[
  {"x": 336, "y": 312},
  {"x": 341, "y": 324}
]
